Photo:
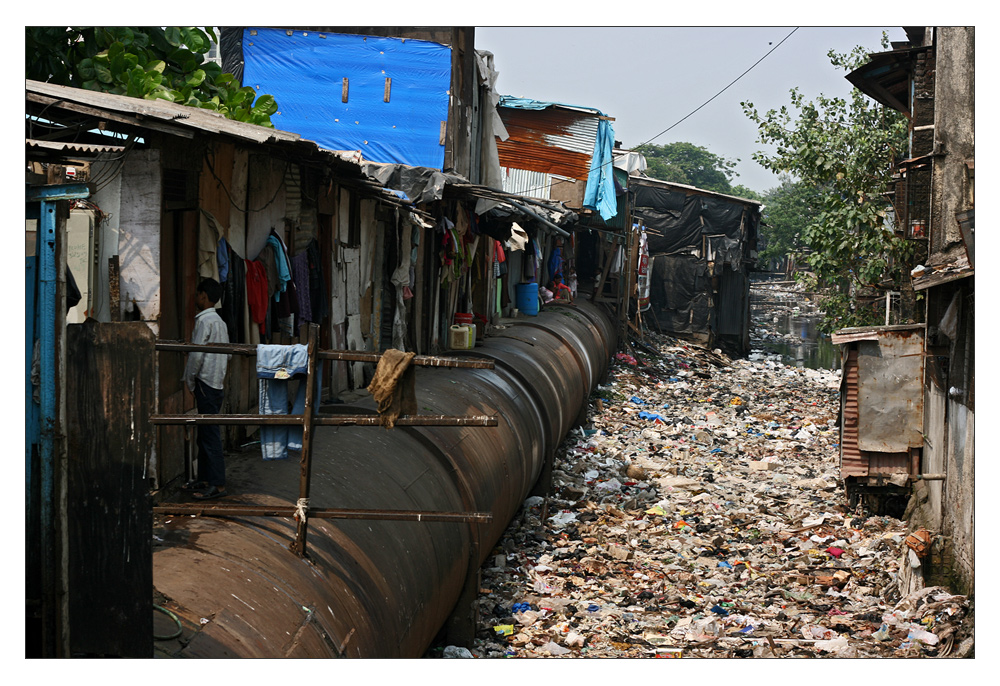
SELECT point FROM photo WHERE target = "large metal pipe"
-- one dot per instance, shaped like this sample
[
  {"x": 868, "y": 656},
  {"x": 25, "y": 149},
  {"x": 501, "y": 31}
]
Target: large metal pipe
[{"x": 373, "y": 587}]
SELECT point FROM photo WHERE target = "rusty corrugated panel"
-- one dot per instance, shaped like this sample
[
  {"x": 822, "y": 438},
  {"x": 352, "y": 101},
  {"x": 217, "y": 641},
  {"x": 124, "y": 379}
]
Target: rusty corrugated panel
[
  {"x": 888, "y": 463},
  {"x": 553, "y": 141},
  {"x": 852, "y": 461},
  {"x": 72, "y": 147}
]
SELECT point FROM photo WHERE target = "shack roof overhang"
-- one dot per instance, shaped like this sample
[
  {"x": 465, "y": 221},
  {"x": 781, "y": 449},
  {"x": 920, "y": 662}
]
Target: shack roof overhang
[
  {"x": 886, "y": 78},
  {"x": 137, "y": 115},
  {"x": 157, "y": 115},
  {"x": 871, "y": 333},
  {"x": 691, "y": 190}
]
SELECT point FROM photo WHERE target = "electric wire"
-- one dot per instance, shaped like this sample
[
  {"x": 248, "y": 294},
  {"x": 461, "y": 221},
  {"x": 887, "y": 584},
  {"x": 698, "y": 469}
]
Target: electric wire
[{"x": 694, "y": 111}]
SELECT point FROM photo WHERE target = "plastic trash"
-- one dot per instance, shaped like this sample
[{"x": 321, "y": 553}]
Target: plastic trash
[
  {"x": 553, "y": 648},
  {"x": 457, "y": 652},
  {"x": 663, "y": 524}
]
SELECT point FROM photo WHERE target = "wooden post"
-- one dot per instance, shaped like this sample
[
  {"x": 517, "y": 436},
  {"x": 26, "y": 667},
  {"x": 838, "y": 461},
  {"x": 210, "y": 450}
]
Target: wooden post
[{"x": 302, "y": 510}]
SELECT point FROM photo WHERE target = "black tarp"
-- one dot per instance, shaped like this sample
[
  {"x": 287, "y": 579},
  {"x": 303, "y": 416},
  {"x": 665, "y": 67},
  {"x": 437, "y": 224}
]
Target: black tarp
[
  {"x": 694, "y": 237},
  {"x": 677, "y": 221},
  {"x": 680, "y": 292}
]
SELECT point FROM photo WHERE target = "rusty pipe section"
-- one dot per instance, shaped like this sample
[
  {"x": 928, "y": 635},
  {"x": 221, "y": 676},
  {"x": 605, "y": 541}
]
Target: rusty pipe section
[{"x": 383, "y": 588}]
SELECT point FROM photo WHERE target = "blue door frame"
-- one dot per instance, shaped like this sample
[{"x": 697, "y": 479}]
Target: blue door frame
[{"x": 41, "y": 273}]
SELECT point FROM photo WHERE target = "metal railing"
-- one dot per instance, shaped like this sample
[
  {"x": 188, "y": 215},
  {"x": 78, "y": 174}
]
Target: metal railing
[{"x": 302, "y": 511}]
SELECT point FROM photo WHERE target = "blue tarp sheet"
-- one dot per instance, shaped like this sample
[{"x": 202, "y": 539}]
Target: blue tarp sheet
[{"x": 305, "y": 72}]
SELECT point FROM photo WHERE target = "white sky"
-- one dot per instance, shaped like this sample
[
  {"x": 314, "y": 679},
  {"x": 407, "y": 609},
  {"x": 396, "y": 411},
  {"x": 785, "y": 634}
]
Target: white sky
[{"x": 649, "y": 78}]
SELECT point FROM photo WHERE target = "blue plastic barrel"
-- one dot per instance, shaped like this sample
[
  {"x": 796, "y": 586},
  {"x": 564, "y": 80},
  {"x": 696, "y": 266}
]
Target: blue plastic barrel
[{"x": 527, "y": 298}]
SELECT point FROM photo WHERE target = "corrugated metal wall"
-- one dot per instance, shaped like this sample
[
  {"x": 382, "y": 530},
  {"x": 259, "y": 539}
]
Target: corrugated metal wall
[
  {"x": 851, "y": 461},
  {"x": 524, "y": 182},
  {"x": 553, "y": 141}
]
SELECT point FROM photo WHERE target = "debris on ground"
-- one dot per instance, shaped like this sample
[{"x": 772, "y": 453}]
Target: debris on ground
[{"x": 700, "y": 513}]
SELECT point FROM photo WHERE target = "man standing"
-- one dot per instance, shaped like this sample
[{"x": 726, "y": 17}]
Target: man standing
[{"x": 204, "y": 375}]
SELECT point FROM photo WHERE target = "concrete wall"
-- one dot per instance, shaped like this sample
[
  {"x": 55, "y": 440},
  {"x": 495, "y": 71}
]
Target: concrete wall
[
  {"x": 954, "y": 132},
  {"x": 954, "y": 145}
]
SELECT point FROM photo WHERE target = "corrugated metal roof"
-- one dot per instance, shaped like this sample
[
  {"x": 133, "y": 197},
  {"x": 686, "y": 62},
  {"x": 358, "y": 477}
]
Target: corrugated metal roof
[
  {"x": 554, "y": 140},
  {"x": 79, "y": 148},
  {"x": 156, "y": 111}
]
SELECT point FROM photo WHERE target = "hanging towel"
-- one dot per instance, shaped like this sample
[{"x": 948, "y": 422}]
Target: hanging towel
[
  {"x": 300, "y": 277},
  {"x": 394, "y": 386},
  {"x": 257, "y": 292}
]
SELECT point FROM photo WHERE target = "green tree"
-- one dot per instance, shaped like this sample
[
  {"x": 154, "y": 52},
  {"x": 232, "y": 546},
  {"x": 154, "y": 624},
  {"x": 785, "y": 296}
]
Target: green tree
[
  {"x": 741, "y": 191},
  {"x": 844, "y": 149},
  {"x": 143, "y": 62},
  {"x": 689, "y": 164},
  {"x": 788, "y": 209}
]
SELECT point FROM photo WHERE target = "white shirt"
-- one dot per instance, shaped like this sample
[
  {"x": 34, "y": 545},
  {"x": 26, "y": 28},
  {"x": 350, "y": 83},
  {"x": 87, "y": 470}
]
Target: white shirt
[{"x": 209, "y": 367}]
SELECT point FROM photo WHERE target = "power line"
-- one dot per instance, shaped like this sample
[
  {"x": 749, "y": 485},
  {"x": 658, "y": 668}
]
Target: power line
[
  {"x": 724, "y": 89},
  {"x": 748, "y": 70}
]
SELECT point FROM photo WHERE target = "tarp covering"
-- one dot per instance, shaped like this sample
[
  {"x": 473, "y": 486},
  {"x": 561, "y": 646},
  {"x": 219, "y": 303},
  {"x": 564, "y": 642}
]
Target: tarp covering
[
  {"x": 680, "y": 289},
  {"x": 682, "y": 219},
  {"x": 695, "y": 237},
  {"x": 305, "y": 73}
]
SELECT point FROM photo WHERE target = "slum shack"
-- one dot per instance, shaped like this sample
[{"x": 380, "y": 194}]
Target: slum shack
[
  {"x": 881, "y": 414},
  {"x": 563, "y": 155},
  {"x": 702, "y": 246}
]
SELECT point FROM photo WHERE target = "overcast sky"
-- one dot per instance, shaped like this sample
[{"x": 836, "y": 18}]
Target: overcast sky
[{"x": 649, "y": 78}]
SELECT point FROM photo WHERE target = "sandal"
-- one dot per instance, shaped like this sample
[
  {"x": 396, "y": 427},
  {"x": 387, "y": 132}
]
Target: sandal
[
  {"x": 191, "y": 486},
  {"x": 209, "y": 493}
]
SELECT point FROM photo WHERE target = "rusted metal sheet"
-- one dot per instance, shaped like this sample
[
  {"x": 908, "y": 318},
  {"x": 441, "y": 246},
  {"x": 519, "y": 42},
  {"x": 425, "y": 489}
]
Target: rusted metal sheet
[
  {"x": 852, "y": 462},
  {"x": 554, "y": 141},
  {"x": 888, "y": 463},
  {"x": 383, "y": 587},
  {"x": 890, "y": 392}
]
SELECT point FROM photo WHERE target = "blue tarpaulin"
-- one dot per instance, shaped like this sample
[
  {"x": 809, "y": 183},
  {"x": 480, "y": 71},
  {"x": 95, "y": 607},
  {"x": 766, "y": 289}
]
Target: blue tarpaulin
[{"x": 305, "y": 73}]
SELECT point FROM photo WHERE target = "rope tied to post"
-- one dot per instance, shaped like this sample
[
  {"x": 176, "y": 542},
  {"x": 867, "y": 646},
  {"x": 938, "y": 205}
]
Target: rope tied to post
[{"x": 301, "y": 509}]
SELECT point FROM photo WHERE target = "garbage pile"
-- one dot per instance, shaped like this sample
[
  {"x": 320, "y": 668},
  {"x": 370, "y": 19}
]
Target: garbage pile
[{"x": 700, "y": 514}]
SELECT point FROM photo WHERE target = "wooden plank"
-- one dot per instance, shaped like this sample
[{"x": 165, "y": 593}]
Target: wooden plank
[
  {"x": 110, "y": 381},
  {"x": 215, "y": 180},
  {"x": 266, "y": 202},
  {"x": 237, "y": 209}
]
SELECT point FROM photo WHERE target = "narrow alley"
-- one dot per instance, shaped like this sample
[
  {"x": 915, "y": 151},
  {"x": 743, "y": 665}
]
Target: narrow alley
[{"x": 700, "y": 514}]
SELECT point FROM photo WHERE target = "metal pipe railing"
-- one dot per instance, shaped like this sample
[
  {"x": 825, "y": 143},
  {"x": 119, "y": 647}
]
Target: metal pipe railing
[{"x": 307, "y": 420}]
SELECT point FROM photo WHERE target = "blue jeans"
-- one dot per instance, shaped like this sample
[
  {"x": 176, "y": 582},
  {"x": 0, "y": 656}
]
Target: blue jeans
[
  {"x": 211, "y": 461},
  {"x": 272, "y": 396}
]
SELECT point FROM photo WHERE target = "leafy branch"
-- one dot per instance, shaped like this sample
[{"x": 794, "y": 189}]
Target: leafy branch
[
  {"x": 842, "y": 150},
  {"x": 143, "y": 62}
]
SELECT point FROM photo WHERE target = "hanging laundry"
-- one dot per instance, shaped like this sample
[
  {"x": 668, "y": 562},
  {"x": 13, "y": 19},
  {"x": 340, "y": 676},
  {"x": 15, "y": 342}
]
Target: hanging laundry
[
  {"x": 300, "y": 277},
  {"x": 319, "y": 303},
  {"x": 257, "y": 292},
  {"x": 281, "y": 261},
  {"x": 222, "y": 257},
  {"x": 234, "y": 293},
  {"x": 276, "y": 364}
]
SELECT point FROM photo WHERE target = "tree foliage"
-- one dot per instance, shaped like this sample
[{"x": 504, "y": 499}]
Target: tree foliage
[
  {"x": 689, "y": 164},
  {"x": 788, "y": 209},
  {"x": 143, "y": 62},
  {"x": 843, "y": 149}
]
